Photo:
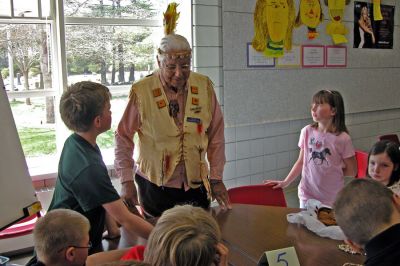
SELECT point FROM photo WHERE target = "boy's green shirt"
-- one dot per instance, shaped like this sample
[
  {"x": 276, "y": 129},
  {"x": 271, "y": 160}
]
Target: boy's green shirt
[{"x": 83, "y": 184}]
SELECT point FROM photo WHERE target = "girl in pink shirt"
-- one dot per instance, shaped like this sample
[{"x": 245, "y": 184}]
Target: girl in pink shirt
[{"x": 326, "y": 152}]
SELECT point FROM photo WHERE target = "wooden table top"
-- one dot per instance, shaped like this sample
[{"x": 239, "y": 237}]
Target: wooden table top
[{"x": 250, "y": 230}]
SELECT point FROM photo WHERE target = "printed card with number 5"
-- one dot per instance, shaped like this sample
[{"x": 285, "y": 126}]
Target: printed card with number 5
[{"x": 280, "y": 257}]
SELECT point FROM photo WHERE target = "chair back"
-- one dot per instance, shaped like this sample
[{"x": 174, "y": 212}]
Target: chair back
[
  {"x": 257, "y": 195},
  {"x": 362, "y": 163},
  {"x": 392, "y": 137},
  {"x": 23, "y": 227}
]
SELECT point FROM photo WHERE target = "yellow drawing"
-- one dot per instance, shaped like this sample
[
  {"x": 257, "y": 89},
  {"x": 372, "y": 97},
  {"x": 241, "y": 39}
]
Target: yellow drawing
[
  {"x": 273, "y": 25},
  {"x": 336, "y": 28},
  {"x": 310, "y": 14}
]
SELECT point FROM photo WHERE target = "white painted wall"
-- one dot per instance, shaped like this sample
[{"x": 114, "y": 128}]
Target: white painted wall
[{"x": 260, "y": 146}]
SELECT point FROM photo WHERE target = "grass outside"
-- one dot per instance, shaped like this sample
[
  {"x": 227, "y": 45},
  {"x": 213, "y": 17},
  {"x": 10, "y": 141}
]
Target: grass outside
[
  {"x": 37, "y": 141},
  {"x": 38, "y": 138},
  {"x": 42, "y": 141}
]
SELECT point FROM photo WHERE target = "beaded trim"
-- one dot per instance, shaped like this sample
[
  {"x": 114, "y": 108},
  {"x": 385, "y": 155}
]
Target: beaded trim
[{"x": 175, "y": 55}]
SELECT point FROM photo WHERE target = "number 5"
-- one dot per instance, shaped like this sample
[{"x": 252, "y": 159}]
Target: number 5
[{"x": 279, "y": 259}]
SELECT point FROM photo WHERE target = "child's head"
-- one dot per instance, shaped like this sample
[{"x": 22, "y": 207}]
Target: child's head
[
  {"x": 362, "y": 208},
  {"x": 184, "y": 235},
  {"x": 335, "y": 112},
  {"x": 384, "y": 162},
  {"x": 82, "y": 103},
  {"x": 61, "y": 237}
]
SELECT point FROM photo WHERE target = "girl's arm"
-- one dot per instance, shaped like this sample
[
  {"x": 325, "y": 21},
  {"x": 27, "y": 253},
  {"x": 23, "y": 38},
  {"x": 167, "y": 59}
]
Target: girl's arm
[
  {"x": 350, "y": 168},
  {"x": 104, "y": 257},
  {"x": 293, "y": 174}
]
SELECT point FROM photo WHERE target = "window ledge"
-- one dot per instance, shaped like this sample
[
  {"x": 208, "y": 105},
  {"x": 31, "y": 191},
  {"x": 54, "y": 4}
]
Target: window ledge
[{"x": 43, "y": 169}]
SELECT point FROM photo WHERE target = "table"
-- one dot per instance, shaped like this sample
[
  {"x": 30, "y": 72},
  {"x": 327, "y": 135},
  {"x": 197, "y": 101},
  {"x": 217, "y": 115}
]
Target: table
[{"x": 250, "y": 230}]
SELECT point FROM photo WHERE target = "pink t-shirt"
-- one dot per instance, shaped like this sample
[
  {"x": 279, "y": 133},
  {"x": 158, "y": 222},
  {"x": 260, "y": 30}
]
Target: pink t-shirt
[{"x": 322, "y": 174}]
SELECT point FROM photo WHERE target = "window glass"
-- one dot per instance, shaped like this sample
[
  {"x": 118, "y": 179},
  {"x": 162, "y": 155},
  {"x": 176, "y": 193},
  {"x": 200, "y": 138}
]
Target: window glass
[
  {"x": 26, "y": 67},
  {"x": 112, "y": 55},
  {"x": 23, "y": 8},
  {"x": 139, "y": 9},
  {"x": 45, "y": 8},
  {"x": 37, "y": 137},
  {"x": 5, "y": 8}
]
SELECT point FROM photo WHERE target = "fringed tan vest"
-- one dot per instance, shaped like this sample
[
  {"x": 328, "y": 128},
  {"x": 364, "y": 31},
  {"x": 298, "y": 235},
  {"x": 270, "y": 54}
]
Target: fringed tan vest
[{"x": 162, "y": 146}]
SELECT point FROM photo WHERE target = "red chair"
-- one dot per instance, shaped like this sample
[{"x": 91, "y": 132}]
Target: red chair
[
  {"x": 257, "y": 195},
  {"x": 362, "y": 163},
  {"x": 23, "y": 227},
  {"x": 392, "y": 137}
]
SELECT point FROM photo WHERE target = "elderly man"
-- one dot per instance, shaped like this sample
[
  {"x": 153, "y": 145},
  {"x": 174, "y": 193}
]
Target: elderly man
[
  {"x": 369, "y": 215},
  {"x": 178, "y": 120}
]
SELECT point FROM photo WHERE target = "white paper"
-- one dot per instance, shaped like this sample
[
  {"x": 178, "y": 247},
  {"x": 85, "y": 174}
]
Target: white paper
[
  {"x": 313, "y": 56},
  {"x": 336, "y": 56},
  {"x": 291, "y": 58},
  {"x": 258, "y": 59}
]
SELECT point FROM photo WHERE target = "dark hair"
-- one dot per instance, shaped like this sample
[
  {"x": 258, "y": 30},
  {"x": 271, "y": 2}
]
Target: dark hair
[
  {"x": 392, "y": 150},
  {"x": 335, "y": 100},
  {"x": 81, "y": 103}
]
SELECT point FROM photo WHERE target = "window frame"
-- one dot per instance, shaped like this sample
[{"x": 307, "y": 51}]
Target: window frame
[{"x": 58, "y": 23}]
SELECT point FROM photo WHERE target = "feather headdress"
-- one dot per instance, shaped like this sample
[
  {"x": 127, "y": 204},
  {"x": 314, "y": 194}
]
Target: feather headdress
[
  {"x": 170, "y": 18},
  {"x": 181, "y": 47}
]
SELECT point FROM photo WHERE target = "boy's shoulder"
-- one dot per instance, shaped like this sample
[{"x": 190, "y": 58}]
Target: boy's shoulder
[{"x": 78, "y": 153}]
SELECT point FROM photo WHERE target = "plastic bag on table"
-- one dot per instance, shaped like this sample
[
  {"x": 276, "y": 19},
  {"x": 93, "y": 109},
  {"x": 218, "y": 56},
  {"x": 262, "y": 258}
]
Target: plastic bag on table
[{"x": 309, "y": 219}]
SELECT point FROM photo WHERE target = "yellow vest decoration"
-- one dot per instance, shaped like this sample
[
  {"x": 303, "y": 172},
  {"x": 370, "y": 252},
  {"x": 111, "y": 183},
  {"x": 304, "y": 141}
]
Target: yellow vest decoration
[
  {"x": 273, "y": 25},
  {"x": 310, "y": 14},
  {"x": 336, "y": 28},
  {"x": 162, "y": 145}
]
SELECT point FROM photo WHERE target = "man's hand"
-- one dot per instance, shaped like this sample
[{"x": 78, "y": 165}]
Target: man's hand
[
  {"x": 129, "y": 193},
  {"x": 219, "y": 192}
]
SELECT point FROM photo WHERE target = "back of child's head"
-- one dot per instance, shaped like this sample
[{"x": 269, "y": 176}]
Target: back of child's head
[
  {"x": 335, "y": 100},
  {"x": 392, "y": 151},
  {"x": 362, "y": 207},
  {"x": 184, "y": 235},
  {"x": 81, "y": 103},
  {"x": 57, "y": 230}
]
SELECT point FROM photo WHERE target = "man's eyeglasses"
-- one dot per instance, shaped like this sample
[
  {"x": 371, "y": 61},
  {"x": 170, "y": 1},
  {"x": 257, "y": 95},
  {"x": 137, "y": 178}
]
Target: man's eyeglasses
[{"x": 89, "y": 246}]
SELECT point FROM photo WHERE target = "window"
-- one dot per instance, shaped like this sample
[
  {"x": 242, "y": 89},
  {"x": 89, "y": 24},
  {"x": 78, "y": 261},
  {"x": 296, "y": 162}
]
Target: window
[{"x": 112, "y": 42}]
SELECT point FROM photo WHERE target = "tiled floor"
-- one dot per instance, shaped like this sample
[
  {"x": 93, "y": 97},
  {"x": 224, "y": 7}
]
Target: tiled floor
[{"x": 46, "y": 195}]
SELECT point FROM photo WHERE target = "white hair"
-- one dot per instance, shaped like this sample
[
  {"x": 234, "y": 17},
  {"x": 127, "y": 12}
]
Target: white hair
[{"x": 174, "y": 44}]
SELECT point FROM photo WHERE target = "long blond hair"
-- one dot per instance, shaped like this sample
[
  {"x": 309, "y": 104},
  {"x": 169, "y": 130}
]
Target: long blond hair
[{"x": 184, "y": 235}]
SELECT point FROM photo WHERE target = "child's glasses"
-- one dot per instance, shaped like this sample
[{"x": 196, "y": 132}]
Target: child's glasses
[{"x": 89, "y": 246}]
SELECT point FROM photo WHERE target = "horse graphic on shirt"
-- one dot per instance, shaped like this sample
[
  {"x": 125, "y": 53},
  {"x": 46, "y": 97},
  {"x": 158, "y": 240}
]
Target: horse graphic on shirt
[{"x": 320, "y": 155}]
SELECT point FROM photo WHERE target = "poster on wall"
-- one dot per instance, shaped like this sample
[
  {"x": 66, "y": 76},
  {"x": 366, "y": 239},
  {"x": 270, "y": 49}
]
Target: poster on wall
[{"x": 370, "y": 33}]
